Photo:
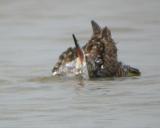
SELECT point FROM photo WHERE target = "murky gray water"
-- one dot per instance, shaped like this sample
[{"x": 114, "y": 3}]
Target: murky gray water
[{"x": 32, "y": 35}]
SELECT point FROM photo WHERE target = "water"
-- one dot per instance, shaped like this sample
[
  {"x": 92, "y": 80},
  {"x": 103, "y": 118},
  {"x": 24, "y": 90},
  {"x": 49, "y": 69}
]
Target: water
[{"x": 32, "y": 35}]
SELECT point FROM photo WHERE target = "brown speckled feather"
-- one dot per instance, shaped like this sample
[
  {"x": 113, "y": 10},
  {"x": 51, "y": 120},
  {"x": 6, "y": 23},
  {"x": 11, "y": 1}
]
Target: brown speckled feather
[{"x": 102, "y": 50}]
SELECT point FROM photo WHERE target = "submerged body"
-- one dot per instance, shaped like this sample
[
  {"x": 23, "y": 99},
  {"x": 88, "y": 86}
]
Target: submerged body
[{"x": 99, "y": 57}]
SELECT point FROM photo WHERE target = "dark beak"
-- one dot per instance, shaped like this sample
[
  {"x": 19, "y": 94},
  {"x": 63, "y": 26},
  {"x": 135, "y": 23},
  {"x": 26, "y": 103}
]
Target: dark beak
[{"x": 79, "y": 52}]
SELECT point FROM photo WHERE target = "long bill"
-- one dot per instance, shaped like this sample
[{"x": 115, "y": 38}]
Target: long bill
[{"x": 79, "y": 51}]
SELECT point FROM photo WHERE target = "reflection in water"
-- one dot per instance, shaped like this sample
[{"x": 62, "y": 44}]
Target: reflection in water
[
  {"x": 34, "y": 33},
  {"x": 44, "y": 79}
]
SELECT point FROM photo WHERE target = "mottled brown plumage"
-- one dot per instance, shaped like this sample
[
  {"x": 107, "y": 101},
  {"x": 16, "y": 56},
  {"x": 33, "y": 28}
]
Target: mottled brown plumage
[{"x": 101, "y": 52}]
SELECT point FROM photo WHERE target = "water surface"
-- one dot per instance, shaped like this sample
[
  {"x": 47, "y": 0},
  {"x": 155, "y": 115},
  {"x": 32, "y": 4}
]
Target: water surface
[{"x": 32, "y": 35}]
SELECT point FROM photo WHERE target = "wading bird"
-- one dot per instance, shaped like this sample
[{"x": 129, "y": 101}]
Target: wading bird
[{"x": 97, "y": 58}]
